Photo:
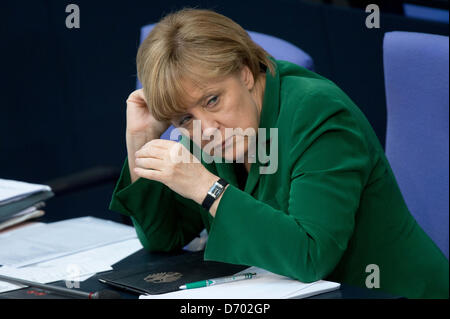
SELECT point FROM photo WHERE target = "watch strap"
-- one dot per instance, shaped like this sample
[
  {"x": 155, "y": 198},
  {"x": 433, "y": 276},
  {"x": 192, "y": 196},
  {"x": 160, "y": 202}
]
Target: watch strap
[{"x": 214, "y": 192}]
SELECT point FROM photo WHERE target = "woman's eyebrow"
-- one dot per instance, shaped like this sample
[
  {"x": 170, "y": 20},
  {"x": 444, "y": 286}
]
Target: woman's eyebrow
[
  {"x": 204, "y": 97},
  {"x": 207, "y": 94},
  {"x": 201, "y": 99}
]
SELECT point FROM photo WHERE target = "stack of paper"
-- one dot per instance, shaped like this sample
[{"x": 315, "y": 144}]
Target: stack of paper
[
  {"x": 20, "y": 201},
  {"x": 73, "y": 268},
  {"x": 71, "y": 250},
  {"x": 265, "y": 285},
  {"x": 31, "y": 212},
  {"x": 41, "y": 242},
  {"x": 11, "y": 190}
]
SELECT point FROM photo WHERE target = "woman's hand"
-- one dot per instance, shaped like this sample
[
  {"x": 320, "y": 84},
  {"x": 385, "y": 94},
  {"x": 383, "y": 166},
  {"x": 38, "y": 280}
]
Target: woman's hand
[
  {"x": 142, "y": 127},
  {"x": 139, "y": 119},
  {"x": 170, "y": 163}
]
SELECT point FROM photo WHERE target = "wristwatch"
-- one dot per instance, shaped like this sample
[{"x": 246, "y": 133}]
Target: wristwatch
[{"x": 213, "y": 193}]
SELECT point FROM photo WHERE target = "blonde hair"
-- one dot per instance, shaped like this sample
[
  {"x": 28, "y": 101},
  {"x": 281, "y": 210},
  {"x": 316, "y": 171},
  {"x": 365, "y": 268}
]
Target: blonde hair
[{"x": 196, "y": 45}]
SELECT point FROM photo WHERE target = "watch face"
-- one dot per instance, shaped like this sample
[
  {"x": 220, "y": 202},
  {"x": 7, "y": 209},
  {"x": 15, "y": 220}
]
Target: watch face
[{"x": 216, "y": 190}]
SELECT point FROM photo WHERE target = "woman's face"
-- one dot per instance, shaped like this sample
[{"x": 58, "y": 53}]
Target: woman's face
[{"x": 227, "y": 105}]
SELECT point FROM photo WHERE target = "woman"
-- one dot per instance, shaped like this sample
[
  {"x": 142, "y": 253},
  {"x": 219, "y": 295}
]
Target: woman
[{"x": 302, "y": 188}]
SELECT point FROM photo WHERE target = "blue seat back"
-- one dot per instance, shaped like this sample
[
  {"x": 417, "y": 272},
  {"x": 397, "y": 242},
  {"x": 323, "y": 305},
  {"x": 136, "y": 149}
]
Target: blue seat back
[{"x": 417, "y": 137}]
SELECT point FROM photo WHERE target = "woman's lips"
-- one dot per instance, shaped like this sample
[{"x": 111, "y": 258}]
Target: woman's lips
[{"x": 224, "y": 144}]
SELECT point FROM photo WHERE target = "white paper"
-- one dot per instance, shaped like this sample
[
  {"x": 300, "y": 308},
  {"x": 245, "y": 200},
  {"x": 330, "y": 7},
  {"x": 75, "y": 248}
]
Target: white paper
[
  {"x": 11, "y": 190},
  {"x": 73, "y": 268},
  {"x": 21, "y": 217},
  {"x": 265, "y": 285},
  {"x": 41, "y": 242}
]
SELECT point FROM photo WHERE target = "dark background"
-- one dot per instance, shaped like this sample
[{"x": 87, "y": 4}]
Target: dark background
[{"x": 63, "y": 91}]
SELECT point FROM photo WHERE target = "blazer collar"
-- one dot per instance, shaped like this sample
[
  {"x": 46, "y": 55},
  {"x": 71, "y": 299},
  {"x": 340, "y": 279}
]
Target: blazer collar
[{"x": 271, "y": 101}]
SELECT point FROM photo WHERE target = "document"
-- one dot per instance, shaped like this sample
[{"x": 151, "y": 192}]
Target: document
[
  {"x": 26, "y": 214},
  {"x": 42, "y": 242},
  {"x": 73, "y": 268},
  {"x": 265, "y": 285},
  {"x": 11, "y": 190}
]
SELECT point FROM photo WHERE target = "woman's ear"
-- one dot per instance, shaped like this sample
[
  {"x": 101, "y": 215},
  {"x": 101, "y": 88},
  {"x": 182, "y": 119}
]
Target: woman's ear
[{"x": 247, "y": 78}]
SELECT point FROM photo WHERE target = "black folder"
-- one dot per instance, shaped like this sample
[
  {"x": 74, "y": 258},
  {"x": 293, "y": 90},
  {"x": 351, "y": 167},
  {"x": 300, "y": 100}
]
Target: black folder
[
  {"x": 9, "y": 209},
  {"x": 169, "y": 274}
]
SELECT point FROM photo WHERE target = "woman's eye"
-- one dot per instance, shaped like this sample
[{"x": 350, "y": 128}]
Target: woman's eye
[
  {"x": 184, "y": 120},
  {"x": 212, "y": 101}
]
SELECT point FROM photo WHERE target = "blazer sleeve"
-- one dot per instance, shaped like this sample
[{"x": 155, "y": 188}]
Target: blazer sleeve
[
  {"x": 163, "y": 220},
  {"x": 329, "y": 164}
]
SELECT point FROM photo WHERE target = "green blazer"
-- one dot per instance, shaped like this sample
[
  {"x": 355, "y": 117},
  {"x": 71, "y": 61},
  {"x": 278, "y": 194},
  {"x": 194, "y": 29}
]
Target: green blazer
[{"x": 331, "y": 210}]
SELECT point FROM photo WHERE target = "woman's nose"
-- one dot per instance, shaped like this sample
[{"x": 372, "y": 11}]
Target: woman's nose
[{"x": 209, "y": 127}]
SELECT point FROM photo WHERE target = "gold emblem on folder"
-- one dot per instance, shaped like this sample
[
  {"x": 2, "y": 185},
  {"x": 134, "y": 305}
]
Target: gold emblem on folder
[{"x": 162, "y": 277}]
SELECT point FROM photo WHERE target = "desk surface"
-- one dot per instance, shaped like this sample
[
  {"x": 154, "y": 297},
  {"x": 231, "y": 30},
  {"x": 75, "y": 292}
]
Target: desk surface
[{"x": 92, "y": 284}]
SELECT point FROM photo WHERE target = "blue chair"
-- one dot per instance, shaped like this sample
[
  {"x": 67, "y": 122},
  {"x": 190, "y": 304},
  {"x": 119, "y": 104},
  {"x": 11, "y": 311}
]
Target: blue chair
[
  {"x": 425, "y": 13},
  {"x": 278, "y": 48},
  {"x": 417, "y": 140}
]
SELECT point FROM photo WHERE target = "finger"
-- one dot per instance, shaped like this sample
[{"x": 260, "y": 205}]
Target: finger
[
  {"x": 160, "y": 143},
  {"x": 155, "y": 152},
  {"x": 148, "y": 174},
  {"x": 179, "y": 153},
  {"x": 149, "y": 163},
  {"x": 136, "y": 96}
]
